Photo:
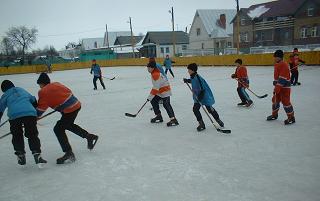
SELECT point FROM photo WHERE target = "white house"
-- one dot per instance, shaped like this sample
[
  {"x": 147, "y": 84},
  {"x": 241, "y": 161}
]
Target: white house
[{"x": 211, "y": 30}]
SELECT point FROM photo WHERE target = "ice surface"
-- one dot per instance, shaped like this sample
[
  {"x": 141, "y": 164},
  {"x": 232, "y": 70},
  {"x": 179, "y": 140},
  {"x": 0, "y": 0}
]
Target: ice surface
[{"x": 138, "y": 161}]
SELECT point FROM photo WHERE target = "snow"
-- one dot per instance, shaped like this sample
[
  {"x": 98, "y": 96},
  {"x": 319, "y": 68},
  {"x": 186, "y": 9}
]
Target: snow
[
  {"x": 258, "y": 11},
  {"x": 135, "y": 160}
]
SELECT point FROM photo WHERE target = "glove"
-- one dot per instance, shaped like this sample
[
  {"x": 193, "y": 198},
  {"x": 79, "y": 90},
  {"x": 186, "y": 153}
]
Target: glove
[
  {"x": 185, "y": 80},
  {"x": 274, "y": 83},
  {"x": 277, "y": 89},
  {"x": 1, "y": 116},
  {"x": 90, "y": 72},
  {"x": 233, "y": 76},
  {"x": 201, "y": 95}
]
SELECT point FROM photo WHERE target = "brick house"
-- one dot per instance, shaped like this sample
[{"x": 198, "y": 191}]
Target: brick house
[{"x": 279, "y": 23}]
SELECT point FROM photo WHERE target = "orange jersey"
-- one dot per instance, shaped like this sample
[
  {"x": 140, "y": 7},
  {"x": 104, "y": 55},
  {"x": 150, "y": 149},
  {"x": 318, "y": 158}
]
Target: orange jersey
[
  {"x": 242, "y": 75},
  {"x": 161, "y": 86},
  {"x": 282, "y": 74},
  {"x": 58, "y": 97}
]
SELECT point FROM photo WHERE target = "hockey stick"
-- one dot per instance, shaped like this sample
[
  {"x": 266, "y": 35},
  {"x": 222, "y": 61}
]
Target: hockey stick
[
  {"x": 244, "y": 85},
  {"x": 134, "y": 115},
  {"x": 109, "y": 78},
  {"x": 4, "y": 122},
  {"x": 37, "y": 120},
  {"x": 217, "y": 128}
]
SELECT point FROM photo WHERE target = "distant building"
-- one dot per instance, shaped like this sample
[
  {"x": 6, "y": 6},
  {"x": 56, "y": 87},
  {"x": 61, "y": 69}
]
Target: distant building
[
  {"x": 123, "y": 46},
  {"x": 160, "y": 43},
  {"x": 279, "y": 23},
  {"x": 211, "y": 30}
]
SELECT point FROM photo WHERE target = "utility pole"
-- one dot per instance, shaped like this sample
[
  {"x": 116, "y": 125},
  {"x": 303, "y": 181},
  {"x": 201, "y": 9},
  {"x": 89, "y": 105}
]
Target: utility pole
[
  {"x": 238, "y": 28},
  {"x": 173, "y": 33},
  {"x": 107, "y": 34},
  {"x": 132, "y": 39}
]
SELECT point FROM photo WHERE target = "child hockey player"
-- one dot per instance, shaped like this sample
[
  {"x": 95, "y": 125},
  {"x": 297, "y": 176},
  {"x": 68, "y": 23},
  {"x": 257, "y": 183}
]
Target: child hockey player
[
  {"x": 294, "y": 64},
  {"x": 281, "y": 92},
  {"x": 61, "y": 98},
  {"x": 243, "y": 83},
  {"x": 95, "y": 68},
  {"x": 22, "y": 114},
  {"x": 168, "y": 64},
  {"x": 202, "y": 95},
  {"x": 160, "y": 91}
]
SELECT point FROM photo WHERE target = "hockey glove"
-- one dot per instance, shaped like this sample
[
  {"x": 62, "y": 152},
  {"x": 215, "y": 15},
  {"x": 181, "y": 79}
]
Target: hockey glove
[
  {"x": 201, "y": 95},
  {"x": 274, "y": 83},
  {"x": 233, "y": 76},
  {"x": 35, "y": 104}
]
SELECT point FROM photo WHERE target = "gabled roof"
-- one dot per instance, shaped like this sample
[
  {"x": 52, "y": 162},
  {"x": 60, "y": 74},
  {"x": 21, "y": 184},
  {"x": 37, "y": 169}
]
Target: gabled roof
[
  {"x": 89, "y": 43},
  {"x": 210, "y": 19},
  {"x": 165, "y": 37},
  {"x": 112, "y": 36},
  {"x": 278, "y": 8},
  {"x": 126, "y": 40}
]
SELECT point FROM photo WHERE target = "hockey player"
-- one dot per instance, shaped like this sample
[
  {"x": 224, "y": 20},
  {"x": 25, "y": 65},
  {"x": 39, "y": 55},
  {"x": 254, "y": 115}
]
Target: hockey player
[
  {"x": 281, "y": 92},
  {"x": 168, "y": 64},
  {"x": 60, "y": 98},
  {"x": 160, "y": 91},
  {"x": 96, "y": 70},
  {"x": 202, "y": 95},
  {"x": 243, "y": 83},
  {"x": 294, "y": 64},
  {"x": 22, "y": 114}
]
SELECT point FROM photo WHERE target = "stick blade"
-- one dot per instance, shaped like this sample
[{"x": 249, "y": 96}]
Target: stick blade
[
  {"x": 263, "y": 96},
  {"x": 130, "y": 115},
  {"x": 226, "y": 131}
]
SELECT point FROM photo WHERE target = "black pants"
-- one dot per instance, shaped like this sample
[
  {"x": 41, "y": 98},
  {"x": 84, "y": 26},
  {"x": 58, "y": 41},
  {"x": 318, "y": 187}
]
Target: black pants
[
  {"x": 67, "y": 123},
  {"x": 170, "y": 72},
  {"x": 243, "y": 95},
  {"x": 30, "y": 131},
  {"x": 95, "y": 82},
  {"x": 166, "y": 105},
  {"x": 211, "y": 110},
  {"x": 294, "y": 77}
]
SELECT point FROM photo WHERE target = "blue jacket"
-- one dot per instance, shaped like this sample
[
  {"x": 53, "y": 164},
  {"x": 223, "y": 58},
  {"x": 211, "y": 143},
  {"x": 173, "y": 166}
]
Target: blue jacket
[
  {"x": 198, "y": 84},
  {"x": 161, "y": 70},
  {"x": 19, "y": 103},
  {"x": 95, "y": 68},
  {"x": 168, "y": 63}
]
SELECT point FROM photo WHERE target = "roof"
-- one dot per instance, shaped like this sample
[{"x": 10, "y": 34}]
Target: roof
[
  {"x": 112, "y": 36},
  {"x": 125, "y": 40},
  {"x": 278, "y": 8},
  {"x": 165, "y": 37},
  {"x": 89, "y": 43},
  {"x": 242, "y": 10},
  {"x": 210, "y": 19}
]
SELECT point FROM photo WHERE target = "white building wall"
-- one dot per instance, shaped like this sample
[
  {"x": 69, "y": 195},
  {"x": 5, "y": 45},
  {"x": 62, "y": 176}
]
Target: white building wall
[
  {"x": 170, "y": 53},
  {"x": 195, "y": 41}
]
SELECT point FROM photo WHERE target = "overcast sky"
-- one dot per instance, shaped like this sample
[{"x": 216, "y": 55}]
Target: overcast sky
[{"x": 63, "y": 21}]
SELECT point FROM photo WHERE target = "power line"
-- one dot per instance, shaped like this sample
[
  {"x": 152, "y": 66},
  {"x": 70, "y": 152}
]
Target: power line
[{"x": 74, "y": 33}]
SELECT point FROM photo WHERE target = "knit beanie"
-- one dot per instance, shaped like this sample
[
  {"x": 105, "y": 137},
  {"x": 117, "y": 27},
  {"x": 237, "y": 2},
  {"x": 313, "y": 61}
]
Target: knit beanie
[
  {"x": 278, "y": 53},
  {"x": 43, "y": 79},
  {"x": 6, "y": 84},
  {"x": 193, "y": 67}
]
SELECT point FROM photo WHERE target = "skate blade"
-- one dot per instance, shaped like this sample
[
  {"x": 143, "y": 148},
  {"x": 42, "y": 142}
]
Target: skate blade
[{"x": 41, "y": 165}]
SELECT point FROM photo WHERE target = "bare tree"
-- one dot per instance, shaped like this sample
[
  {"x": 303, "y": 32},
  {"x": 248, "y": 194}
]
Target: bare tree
[
  {"x": 22, "y": 37},
  {"x": 6, "y": 46}
]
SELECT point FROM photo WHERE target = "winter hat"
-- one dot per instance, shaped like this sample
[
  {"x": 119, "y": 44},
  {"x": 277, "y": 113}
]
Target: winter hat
[
  {"x": 278, "y": 53},
  {"x": 239, "y": 61},
  {"x": 152, "y": 59},
  {"x": 193, "y": 67},
  {"x": 93, "y": 60},
  {"x": 295, "y": 50},
  {"x": 152, "y": 64},
  {"x": 43, "y": 79},
  {"x": 6, "y": 84}
]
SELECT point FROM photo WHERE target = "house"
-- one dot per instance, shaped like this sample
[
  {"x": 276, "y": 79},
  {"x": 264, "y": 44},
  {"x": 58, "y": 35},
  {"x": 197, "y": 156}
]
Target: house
[
  {"x": 123, "y": 46},
  {"x": 160, "y": 43},
  {"x": 211, "y": 29},
  {"x": 279, "y": 23}
]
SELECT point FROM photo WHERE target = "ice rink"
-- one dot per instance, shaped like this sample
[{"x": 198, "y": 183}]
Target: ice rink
[{"x": 135, "y": 160}]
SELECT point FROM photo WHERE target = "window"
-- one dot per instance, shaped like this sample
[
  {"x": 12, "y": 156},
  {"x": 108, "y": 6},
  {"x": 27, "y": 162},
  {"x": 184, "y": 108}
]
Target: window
[
  {"x": 162, "y": 50},
  {"x": 244, "y": 37},
  {"x": 229, "y": 44},
  {"x": 286, "y": 35},
  {"x": 184, "y": 47},
  {"x": 310, "y": 11},
  {"x": 95, "y": 44},
  {"x": 202, "y": 45},
  {"x": 314, "y": 31},
  {"x": 167, "y": 50},
  {"x": 303, "y": 32},
  {"x": 243, "y": 22},
  {"x": 198, "y": 31}
]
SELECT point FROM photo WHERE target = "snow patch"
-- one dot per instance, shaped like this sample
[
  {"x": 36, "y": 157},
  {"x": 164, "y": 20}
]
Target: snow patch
[{"x": 258, "y": 11}]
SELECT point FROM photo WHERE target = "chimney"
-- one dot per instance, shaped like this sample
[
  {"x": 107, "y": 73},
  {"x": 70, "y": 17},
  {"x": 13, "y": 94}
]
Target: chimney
[{"x": 223, "y": 21}]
